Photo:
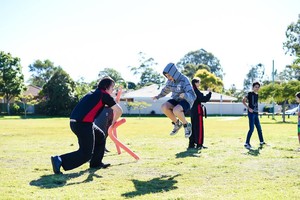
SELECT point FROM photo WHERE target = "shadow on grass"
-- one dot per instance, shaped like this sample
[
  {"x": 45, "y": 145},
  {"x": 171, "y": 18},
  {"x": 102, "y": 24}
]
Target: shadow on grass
[
  {"x": 254, "y": 152},
  {"x": 60, "y": 180},
  {"x": 156, "y": 185},
  {"x": 189, "y": 153}
]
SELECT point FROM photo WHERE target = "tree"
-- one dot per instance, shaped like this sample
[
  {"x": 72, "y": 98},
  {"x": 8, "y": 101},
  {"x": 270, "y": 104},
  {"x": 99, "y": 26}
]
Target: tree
[
  {"x": 149, "y": 76},
  {"x": 292, "y": 46},
  {"x": 11, "y": 77},
  {"x": 291, "y": 72},
  {"x": 131, "y": 85},
  {"x": 145, "y": 69},
  {"x": 202, "y": 57},
  {"x": 282, "y": 93},
  {"x": 129, "y": 106},
  {"x": 41, "y": 72},
  {"x": 232, "y": 91},
  {"x": 209, "y": 80},
  {"x": 138, "y": 105},
  {"x": 83, "y": 87},
  {"x": 60, "y": 94},
  {"x": 190, "y": 69},
  {"x": 256, "y": 73},
  {"x": 114, "y": 74},
  {"x": 26, "y": 100}
]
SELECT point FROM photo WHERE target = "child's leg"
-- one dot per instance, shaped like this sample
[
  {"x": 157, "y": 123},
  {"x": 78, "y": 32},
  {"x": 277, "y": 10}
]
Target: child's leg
[
  {"x": 179, "y": 113},
  {"x": 251, "y": 127},
  {"x": 167, "y": 109}
]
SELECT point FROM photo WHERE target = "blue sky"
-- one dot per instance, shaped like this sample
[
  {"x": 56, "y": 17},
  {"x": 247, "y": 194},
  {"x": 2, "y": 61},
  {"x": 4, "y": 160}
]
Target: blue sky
[{"x": 86, "y": 36}]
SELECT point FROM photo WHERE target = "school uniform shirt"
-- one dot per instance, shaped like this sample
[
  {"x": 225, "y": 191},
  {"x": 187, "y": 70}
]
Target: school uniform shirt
[
  {"x": 253, "y": 101},
  {"x": 91, "y": 105}
]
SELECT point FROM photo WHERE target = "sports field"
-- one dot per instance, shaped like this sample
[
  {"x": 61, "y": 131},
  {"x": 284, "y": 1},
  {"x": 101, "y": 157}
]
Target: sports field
[{"x": 166, "y": 170}]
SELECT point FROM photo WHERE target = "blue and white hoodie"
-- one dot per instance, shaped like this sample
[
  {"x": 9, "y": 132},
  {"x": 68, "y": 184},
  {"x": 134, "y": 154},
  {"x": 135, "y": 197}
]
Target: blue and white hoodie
[{"x": 181, "y": 84}]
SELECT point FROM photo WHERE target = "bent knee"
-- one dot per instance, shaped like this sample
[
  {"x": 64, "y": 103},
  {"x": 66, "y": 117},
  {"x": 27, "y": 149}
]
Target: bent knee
[
  {"x": 165, "y": 106},
  {"x": 177, "y": 109}
]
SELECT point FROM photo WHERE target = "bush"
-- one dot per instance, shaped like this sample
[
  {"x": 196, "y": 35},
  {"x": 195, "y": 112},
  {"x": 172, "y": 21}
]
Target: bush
[
  {"x": 15, "y": 109},
  {"x": 268, "y": 109},
  {"x": 152, "y": 112}
]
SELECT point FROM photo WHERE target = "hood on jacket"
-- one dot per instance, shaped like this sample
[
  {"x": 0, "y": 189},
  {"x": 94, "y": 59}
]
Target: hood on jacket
[{"x": 172, "y": 70}]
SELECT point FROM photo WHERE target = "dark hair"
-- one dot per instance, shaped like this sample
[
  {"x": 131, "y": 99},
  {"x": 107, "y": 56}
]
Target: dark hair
[
  {"x": 194, "y": 81},
  {"x": 256, "y": 83},
  {"x": 105, "y": 83},
  {"x": 298, "y": 95}
]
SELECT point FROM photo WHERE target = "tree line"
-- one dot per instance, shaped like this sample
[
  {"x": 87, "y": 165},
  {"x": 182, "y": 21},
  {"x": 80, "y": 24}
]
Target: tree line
[{"x": 60, "y": 93}]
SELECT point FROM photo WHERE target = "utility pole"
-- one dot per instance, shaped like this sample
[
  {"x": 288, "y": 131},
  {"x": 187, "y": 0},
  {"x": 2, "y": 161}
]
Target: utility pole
[{"x": 273, "y": 80}]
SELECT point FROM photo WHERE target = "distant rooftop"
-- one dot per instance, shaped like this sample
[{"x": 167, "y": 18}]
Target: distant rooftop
[
  {"x": 33, "y": 90},
  {"x": 153, "y": 90}
]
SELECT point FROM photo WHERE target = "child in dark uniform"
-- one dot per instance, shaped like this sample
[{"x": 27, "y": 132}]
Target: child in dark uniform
[
  {"x": 197, "y": 113},
  {"x": 91, "y": 139}
]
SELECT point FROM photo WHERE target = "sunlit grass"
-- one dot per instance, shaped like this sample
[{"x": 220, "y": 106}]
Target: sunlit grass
[{"x": 166, "y": 169}]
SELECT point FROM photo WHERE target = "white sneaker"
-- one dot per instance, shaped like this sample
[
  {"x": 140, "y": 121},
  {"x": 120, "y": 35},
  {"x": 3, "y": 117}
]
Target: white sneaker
[
  {"x": 176, "y": 128},
  {"x": 188, "y": 130},
  {"x": 247, "y": 146}
]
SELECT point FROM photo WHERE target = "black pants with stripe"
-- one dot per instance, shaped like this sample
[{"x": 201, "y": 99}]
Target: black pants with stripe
[
  {"x": 91, "y": 142},
  {"x": 197, "y": 136}
]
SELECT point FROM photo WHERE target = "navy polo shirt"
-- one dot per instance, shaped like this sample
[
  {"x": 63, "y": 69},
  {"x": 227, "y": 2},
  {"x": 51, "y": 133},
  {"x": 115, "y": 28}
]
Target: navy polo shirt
[{"x": 91, "y": 105}]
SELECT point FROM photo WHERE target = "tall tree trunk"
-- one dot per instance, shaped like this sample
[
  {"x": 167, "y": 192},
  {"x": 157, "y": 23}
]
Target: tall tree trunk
[
  {"x": 283, "y": 111},
  {"x": 7, "y": 105}
]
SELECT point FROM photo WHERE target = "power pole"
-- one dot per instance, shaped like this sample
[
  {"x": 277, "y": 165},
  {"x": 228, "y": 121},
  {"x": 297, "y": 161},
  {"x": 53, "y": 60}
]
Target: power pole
[{"x": 273, "y": 80}]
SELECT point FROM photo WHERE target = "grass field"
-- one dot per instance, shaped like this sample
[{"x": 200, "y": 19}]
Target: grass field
[{"x": 166, "y": 170}]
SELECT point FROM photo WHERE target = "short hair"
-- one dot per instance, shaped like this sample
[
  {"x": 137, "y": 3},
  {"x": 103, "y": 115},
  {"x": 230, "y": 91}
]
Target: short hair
[
  {"x": 298, "y": 95},
  {"x": 256, "y": 83},
  {"x": 105, "y": 83},
  {"x": 195, "y": 80}
]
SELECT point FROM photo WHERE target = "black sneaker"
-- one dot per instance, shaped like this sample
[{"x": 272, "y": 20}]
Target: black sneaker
[
  {"x": 200, "y": 146},
  {"x": 102, "y": 165},
  {"x": 56, "y": 164},
  {"x": 263, "y": 144},
  {"x": 191, "y": 146}
]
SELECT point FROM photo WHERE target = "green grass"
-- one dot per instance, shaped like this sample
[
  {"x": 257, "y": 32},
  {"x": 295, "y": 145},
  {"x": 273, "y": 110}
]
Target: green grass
[{"x": 166, "y": 169}]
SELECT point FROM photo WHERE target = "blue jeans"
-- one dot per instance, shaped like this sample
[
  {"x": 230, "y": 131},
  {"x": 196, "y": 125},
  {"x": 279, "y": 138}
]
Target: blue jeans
[{"x": 254, "y": 120}]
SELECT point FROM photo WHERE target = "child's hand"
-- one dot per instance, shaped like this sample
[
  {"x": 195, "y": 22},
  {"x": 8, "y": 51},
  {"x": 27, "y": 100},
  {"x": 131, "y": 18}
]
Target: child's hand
[{"x": 154, "y": 98}]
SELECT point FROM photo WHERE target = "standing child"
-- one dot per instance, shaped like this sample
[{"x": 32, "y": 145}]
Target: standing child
[
  {"x": 182, "y": 99},
  {"x": 298, "y": 100},
  {"x": 252, "y": 107},
  {"x": 197, "y": 113}
]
